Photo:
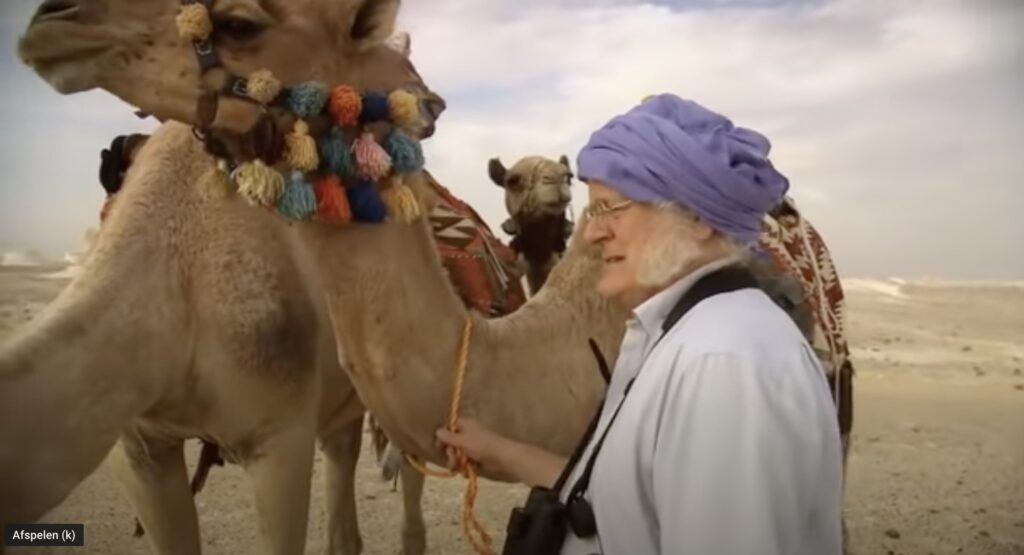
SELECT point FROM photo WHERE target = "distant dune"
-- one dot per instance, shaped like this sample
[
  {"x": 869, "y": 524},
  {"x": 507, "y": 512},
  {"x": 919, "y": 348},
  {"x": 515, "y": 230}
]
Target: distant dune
[
  {"x": 24, "y": 258},
  {"x": 897, "y": 288}
]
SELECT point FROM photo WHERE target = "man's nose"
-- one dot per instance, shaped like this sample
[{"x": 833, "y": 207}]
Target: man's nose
[{"x": 594, "y": 232}]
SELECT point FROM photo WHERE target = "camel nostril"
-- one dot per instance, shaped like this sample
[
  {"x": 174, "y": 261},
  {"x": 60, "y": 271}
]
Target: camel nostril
[
  {"x": 435, "y": 105},
  {"x": 56, "y": 9}
]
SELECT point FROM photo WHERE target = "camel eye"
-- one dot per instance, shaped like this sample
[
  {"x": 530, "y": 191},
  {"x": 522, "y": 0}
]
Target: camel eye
[{"x": 238, "y": 29}]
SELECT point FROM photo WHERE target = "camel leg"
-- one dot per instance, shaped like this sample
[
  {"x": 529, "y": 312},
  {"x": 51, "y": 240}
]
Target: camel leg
[
  {"x": 280, "y": 472},
  {"x": 414, "y": 530},
  {"x": 341, "y": 447},
  {"x": 152, "y": 472}
]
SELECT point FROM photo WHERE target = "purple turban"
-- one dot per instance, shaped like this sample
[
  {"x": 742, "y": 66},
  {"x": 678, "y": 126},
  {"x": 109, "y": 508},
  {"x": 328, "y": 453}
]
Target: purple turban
[{"x": 670, "y": 149}]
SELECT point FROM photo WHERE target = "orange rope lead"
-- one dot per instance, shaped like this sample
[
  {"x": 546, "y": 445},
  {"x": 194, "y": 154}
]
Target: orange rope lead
[{"x": 480, "y": 541}]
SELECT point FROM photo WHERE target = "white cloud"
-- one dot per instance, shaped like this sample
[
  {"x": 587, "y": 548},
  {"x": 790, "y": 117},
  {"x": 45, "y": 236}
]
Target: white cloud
[
  {"x": 884, "y": 114},
  {"x": 898, "y": 121}
]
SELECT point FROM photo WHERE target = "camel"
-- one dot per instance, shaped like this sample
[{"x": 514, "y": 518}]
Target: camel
[
  {"x": 531, "y": 204},
  {"x": 530, "y": 375},
  {"x": 537, "y": 195},
  {"x": 273, "y": 351}
]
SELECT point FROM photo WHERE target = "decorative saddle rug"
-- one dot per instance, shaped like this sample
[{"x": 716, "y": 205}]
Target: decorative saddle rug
[
  {"x": 795, "y": 246},
  {"x": 484, "y": 271}
]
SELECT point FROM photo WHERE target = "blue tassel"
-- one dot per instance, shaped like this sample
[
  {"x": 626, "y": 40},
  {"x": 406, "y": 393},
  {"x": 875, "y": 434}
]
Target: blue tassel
[
  {"x": 375, "y": 108},
  {"x": 336, "y": 154},
  {"x": 307, "y": 99},
  {"x": 406, "y": 154},
  {"x": 298, "y": 201},
  {"x": 366, "y": 204}
]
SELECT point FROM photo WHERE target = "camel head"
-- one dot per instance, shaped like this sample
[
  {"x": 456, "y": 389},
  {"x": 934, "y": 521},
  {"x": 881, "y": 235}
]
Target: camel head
[
  {"x": 183, "y": 59},
  {"x": 535, "y": 187}
]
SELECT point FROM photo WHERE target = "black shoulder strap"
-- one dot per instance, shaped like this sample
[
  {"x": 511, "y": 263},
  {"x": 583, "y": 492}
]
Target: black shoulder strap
[
  {"x": 730, "y": 278},
  {"x": 725, "y": 280}
]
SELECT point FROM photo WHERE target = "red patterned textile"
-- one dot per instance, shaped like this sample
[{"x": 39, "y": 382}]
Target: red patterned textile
[
  {"x": 484, "y": 271},
  {"x": 795, "y": 246}
]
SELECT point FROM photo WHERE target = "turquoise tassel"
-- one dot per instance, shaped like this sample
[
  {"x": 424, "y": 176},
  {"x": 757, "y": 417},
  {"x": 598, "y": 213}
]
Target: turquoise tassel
[
  {"x": 336, "y": 154},
  {"x": 298, "y": 201},
  {"x": 406, "y": 154},
  {"x": 307, "y": 99}
]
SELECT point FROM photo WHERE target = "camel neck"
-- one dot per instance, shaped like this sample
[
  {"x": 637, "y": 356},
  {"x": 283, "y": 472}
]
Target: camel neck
[{"x": 531, "y": 375}]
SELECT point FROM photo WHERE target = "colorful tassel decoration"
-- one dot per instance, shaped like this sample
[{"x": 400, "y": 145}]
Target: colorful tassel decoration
[
  {"x": 259, "y": 183},
  {"x": 336, "y": 154},
  {"x": 331, "y": 203},
  {"x": 375, "y": 108},
  {"x": 300, "y": 149},
  {"x": 345, "y": 105},
  {"x": 299, "y": 200},
  {"x": 366, "y": 204},
  {"x": 401, "y": 203},
  {"x": 263, "y": 87},
  {"x": 372, "y": 161},
  {"x": 215, "y": 184},
  {"x": 307, "y": 99},
  {"x": 194, "y": 23},
  {"x": 406, "y": 154},
  {"x": 405, "y": 109}
]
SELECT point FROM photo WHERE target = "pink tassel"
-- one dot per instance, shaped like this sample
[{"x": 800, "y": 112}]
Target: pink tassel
[{"x": 372, "y": 161}]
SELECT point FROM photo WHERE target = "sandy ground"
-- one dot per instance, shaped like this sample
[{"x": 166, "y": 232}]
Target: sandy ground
[{"x": 937, "y": 464}]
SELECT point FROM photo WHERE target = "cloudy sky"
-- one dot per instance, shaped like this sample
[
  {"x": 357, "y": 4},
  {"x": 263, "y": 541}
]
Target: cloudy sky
[{"x": 900, "y": 123}]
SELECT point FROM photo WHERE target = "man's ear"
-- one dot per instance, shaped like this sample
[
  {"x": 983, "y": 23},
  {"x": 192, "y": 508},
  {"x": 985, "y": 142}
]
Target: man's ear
[
  {"x": 497, "y": 172},
  {"x": 374, "y": 21}
]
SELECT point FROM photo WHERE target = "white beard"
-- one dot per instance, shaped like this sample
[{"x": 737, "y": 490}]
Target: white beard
[{"x": 666, "y": 257}]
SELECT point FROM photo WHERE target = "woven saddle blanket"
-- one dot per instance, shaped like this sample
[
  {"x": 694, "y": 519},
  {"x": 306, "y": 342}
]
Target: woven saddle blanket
[
  {"x": 484, "y": 271},
  {"x": 796, "y": 247}
]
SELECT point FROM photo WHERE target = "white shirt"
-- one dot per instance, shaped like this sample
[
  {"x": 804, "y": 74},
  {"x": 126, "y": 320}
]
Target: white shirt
[{"x": 727, "y": 443}]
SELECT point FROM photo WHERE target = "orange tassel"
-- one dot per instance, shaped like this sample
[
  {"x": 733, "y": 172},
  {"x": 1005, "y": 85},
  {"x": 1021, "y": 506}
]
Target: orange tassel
[
  {"x": 345, "y": 105},
  {"x": 331, "y": 202}
]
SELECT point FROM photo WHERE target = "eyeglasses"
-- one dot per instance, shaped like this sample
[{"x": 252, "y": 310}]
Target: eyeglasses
[{"x": 599, "y": 209}]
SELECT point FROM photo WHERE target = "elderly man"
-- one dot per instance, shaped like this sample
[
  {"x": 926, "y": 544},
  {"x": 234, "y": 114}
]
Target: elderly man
[{"x": 718, "y": 434}]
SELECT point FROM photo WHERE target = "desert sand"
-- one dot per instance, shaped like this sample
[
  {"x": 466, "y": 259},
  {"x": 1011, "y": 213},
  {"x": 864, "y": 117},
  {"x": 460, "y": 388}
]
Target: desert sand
[{"x": 937, "y": 463}]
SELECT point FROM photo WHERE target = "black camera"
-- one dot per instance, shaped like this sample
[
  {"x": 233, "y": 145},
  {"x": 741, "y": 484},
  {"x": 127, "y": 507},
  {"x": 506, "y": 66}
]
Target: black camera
[{"x": 538, "y": 528}]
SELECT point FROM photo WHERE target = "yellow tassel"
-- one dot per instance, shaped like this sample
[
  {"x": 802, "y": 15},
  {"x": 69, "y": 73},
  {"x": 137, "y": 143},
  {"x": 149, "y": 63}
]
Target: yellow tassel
[
  {"x": 215, "y": 184},
  {"x": 300, "y": 148},
  {"x": 259, "y": 183},
  {"x": 405, "y": 109},
  {"x": 401, "y": 202},
  {"x": 194, "y": 22},
  {"x": 263, "y": 87}
]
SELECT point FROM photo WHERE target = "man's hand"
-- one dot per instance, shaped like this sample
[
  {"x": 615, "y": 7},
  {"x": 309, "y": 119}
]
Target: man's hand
[
  {"x": 499, "y": 456},
  {"x": 486, "y": 448}
]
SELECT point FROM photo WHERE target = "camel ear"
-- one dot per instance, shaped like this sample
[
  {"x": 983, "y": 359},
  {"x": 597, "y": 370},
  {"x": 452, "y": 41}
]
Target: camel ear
[
  {"x": 401, "y": 43},
  {"x": 564, "y": 160},
  {"x": 497, "y": 172},
  {"x": 374, "y": 21}
]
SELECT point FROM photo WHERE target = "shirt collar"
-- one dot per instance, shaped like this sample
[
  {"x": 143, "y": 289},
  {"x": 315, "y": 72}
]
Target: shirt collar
[{"x": 651, "y": 313}]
